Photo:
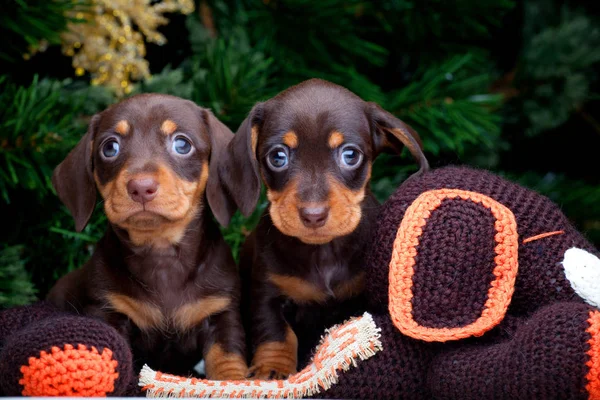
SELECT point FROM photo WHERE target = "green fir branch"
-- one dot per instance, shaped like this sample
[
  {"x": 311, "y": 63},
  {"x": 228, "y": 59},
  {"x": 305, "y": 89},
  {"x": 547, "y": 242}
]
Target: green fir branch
[
  {"x": 38, "y": 125},
  {"x": 229, "y": 75},
  {"x": 304, "y": 33},
  {"x": 168, "y": 81},
  {"x": 443, "y": 26},
  {"x": 27, "y": 26},
  {"x": 578, "y": 199},
  {"x": 558, "y": 71},
  {"x": 450, "y": 105},
  {"x": 16, "y": 287}
]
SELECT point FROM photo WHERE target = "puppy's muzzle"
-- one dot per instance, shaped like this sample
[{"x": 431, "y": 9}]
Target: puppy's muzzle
[
  {"x": 142, "y": 190},
  {"x": 314, "y": 217}
]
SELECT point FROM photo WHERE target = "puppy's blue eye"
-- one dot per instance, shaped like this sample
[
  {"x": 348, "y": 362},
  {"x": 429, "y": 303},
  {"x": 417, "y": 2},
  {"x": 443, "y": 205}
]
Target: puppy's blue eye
[
  {"x": 110, "y": 149},
  {"x": 278, "y": 158},
  {"x": 350, "y": 157},
  {"x": 181, "y": 145}
]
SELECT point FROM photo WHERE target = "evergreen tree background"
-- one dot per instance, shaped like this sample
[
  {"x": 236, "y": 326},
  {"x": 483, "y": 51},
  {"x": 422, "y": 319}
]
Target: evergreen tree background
[{"x": 499, "y": 84}]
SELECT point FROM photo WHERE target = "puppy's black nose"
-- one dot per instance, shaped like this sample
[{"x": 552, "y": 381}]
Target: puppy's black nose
[
  {"x": 314, "y": 217},
  {"x": 142, "y": 190}
]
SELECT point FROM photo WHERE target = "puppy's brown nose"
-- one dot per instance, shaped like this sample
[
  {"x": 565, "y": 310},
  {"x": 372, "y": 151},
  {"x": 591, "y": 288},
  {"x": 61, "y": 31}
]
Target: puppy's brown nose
[
  {"x": 142, "y": 190},
  {"x": 314, "y": 217}
]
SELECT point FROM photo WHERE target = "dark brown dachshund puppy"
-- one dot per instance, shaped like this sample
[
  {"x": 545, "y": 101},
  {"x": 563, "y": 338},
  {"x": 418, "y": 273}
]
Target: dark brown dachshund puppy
[
  {"x": 162, "y": 275},
  {"x": 313, "y": 146}
]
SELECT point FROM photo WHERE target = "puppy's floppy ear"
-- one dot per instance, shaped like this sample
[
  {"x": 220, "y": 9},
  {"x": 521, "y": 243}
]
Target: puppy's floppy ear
[
  {"x": 216, "y": 192},
  {"x": 238, "y": 169},
  {"x": 73, "y": 179},
  {"x": 390, "y": 133}
]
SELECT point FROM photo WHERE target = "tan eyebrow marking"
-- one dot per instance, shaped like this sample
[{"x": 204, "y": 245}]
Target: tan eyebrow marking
[
  {"x": 290, "y": 139},
  {"x": 122, "y": 127},
  {"x": 335, "y": 139},
  {"x": 168, "y": 127}
]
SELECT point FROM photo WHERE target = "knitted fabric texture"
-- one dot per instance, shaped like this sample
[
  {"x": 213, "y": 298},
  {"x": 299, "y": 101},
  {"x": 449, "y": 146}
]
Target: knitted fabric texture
[
  {"x": 452, "y": 229},
  {"x": 545, "y": 359},
  {"x": 16, "y": 318},
  {"x": 65, "y": 355},
  {"x": 582, "y": 269},
  {"x": 342, "y": 347},
  {"x": 399, "y": 371},
  {"x": 70, "y": 372},
  {"x": 544, "y": 345},
  {"x": 539, "y": 281},
  {"x": 405, "y": 250},
  {"x": 593, "y": 376}
]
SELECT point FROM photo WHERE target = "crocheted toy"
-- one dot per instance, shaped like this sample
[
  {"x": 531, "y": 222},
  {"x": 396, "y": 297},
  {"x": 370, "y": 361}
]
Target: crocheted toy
[
  {"x": 45, "y": 352},
  {"x": 480, "y": 289}
]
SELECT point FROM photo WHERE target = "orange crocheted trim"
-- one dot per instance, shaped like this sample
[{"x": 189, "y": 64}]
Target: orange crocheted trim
[
  {"x": 70, "y": 372},
  {"x": 403, "y": 261},
  {"x": 542, "y": 236},
  {"x": 593, "y": 376}
]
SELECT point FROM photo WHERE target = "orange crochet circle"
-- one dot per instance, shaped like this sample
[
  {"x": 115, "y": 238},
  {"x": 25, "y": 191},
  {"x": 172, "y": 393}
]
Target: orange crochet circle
[
  {"x": 70, "y": 372},
  {"x": 401, "y": 268},
  {"x": 593, "y": 376}
]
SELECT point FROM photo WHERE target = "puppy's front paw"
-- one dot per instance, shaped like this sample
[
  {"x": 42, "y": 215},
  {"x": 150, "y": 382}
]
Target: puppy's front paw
[
  {"x": 224, "y": 366},
  {"x": 275, "y": 360},
  {"x": 267, "y": 371},
  {"x": 233, "y": 372}
]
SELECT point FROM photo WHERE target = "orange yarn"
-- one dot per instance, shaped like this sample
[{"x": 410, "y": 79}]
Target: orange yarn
[
  {"x": 403, "y": 260},
  {"x": 70, "y": 372},
  {"x": 542, "y": 236},
  {"x": 593, "y": 376},
  {"x": 342, "y": 347}
]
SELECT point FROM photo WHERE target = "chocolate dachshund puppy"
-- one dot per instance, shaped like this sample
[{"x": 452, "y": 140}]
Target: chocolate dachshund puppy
[
  {"x": 313, "y": 146},
  {"x": 162, "y": 275}
]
